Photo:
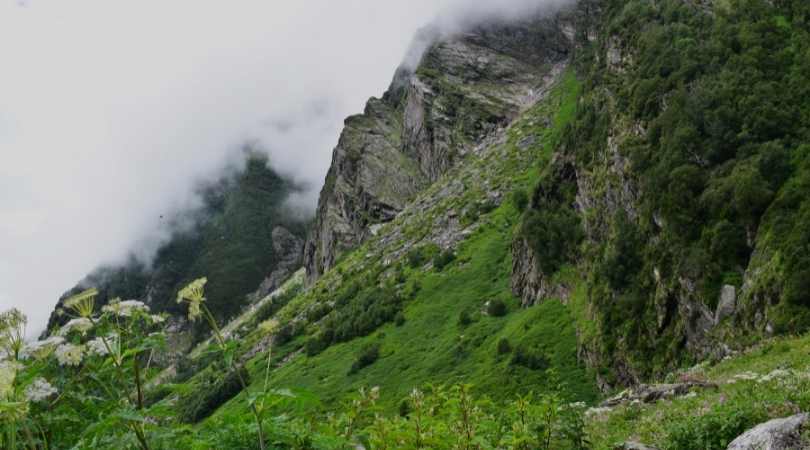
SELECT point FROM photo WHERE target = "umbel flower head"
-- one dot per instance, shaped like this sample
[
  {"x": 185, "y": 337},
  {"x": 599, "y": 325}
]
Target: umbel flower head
[
  {"x": 41, "y": 349},
  {"x": 69, "y": 354},
  {"x": 99, "y": 347},
  {"x": 8, "y": 372},
  {"x": 194, "y": 294},
  {"x": 12, "y": 331},
  {"x": 80, "y": 324},
  {"x": 83, "y": 302},
  {"x": 126, "y": 308},
  {"x": 39, "y": 390}
]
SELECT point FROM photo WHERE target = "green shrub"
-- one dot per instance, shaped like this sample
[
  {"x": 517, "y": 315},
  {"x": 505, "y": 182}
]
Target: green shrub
[
  {"x": 441, "y": 260},
  {"x": 496, "y": 308},
  {"x": 504, "y": 346},
  {"x": 713, "y": 430},
  {"x": 158, "y": 393},
  {"x": 529, "y": 358},
  {"x": 367, "y": 357},
  {"x": 416, "y": 258},
  {"x": 464, "y": 318},
  {"x": 520, "y": 199},
  {"x": 315, "y": 345},
  {"x": 318, "y": 312},
  {"x": 212, "y": 388}
]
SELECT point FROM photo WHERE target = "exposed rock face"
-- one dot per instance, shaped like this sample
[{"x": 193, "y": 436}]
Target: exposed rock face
[
  {"x": 528, "y": 281},
  {"x": 289, "y": 252},
  {"x": 650, "y": 393},
  {"x": 466, "y": 87},
  {"x": 777, "y": 434},
  {"x": 631, "y": 445},
  {"x": 727, "y": 305}
]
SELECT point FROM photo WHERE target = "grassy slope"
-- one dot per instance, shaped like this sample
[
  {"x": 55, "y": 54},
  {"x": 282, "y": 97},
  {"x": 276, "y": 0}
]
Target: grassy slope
[
  {"x": 711, "y": 419},
  {"x": 432, "y": 346}
]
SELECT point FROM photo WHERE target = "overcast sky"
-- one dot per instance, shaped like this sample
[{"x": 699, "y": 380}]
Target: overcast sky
[{"x": 111, "y": 110}]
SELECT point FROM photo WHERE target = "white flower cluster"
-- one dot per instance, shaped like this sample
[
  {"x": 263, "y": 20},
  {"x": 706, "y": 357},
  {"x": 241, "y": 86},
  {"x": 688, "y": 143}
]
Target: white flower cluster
[
  {"x": 98, "y": 347},
  {"x": 126, "y": 308},
  {"x": 69, "y": 354},
  {"x": 8, "y": 372},
  {"x": 39, "y": 390},
  {"x": 41, "y": 349},
  {"x": 81, "y": 324},
  {"x": 156, "y": 318}
]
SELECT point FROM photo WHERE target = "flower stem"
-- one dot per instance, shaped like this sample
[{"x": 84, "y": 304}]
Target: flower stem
[{"x": 221, "y": 340}]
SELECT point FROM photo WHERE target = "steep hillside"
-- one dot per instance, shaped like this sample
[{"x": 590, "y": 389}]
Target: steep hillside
[
  {"x": 680, "y": 190},
  {"x": 242, "y": 238},
  {"x": 577, "y": 230},
  {"x": 464, "y": 89}
]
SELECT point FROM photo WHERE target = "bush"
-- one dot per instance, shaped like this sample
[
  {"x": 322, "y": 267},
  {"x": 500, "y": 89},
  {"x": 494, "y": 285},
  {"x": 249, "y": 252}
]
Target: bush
[
  {"x": 464, "y": 318},
  {"x": 416, "y": 258},
  {"x": 211, "y": 390},
  {"x": 554, "y": 233},
  {"x": 529, "y": 358},
  {"x": 318, "y": 312},
  {"x": 496, "y": 308},
  {"x": 713, "y": 430},
  {"x": 399, "y": 320},
  {"x": 367, "y": 357},
  {"x": 284, "y": 334},
  {"x": 315, "y": 345},
  {"x": 441, "y": 260},
  {"x": 504, "y": 346},
  {"x": 520, "y": 199},
  {"x": 404, "y": 408},
  {"x": 152, "y": 396}
]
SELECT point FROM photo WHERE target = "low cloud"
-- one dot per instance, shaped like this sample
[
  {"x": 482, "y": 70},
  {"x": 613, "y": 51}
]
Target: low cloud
[{"x": 112, "y": 112}]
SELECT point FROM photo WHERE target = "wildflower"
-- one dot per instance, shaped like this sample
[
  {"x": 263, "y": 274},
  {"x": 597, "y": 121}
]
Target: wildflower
[
  {"x": 82, "y": 303},
  {"x": 81, "y": 324},
  {"x": 41, "y": 349},
  {"x": 98, "y": 347},
  {"x": 194, "y": 294},
  {"x": 12, "y": 331},
  {"x": 13, "y": 411},
  {"x": 126, "y": 308},
  {"x": 268, "y": 326},
  {"x": 157, "y": 318},
  {"x": 39, "y": 390},
  {"x": 69, "y": 354},
  {"x": 8, "y": 372}
]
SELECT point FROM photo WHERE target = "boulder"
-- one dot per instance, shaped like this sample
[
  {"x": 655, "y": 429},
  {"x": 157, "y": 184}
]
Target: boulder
[{"x": 777, "y": 434}]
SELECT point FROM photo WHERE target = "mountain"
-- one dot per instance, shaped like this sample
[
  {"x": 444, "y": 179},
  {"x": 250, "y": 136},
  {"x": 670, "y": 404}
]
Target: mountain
[
  {"x": 244, "y": 238},
  {"x": 584, "y": 228}
]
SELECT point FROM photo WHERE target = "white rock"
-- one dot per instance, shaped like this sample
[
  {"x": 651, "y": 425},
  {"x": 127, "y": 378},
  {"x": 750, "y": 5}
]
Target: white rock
[{"x": 777, "y": 434}]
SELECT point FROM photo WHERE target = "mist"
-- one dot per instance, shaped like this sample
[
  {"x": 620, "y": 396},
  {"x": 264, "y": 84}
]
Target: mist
[{"x": 112, "y": 112}]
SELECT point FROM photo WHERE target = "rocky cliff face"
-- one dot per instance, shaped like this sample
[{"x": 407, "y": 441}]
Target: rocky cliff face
[
  {"x": 680, "y": 202},
  {"x": 466, "y": 87}
]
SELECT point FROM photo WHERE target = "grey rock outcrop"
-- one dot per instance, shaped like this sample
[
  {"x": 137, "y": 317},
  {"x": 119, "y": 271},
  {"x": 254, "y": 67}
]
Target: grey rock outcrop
[
  {"x": 650, "y": 393},
  {"x": 289, "y": 252},
  {"x": 632, "y": 445},
  {"x": 727, "y": 305},
  {"x": 466, "y": 87},
  {"x": 777, "y": 434}
]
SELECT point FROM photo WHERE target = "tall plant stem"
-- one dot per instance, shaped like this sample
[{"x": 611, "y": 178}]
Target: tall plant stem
[{"x": 221, "y": 341}]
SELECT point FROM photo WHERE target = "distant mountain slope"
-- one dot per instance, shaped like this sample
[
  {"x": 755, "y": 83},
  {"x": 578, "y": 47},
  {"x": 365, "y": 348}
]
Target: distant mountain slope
[{"x": 244, "y": 239}]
